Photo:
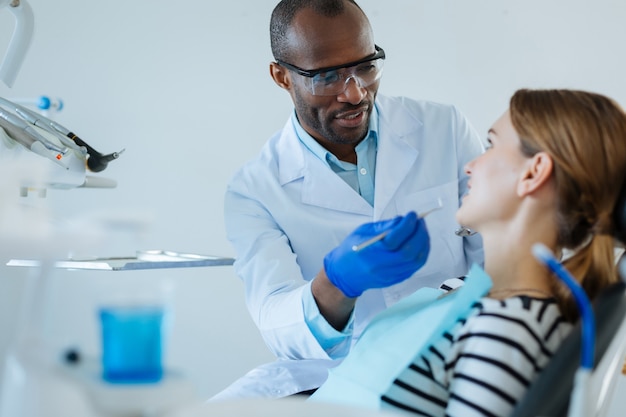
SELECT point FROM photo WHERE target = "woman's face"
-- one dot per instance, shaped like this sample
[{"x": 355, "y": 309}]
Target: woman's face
[{"x": 492, "y": 197}]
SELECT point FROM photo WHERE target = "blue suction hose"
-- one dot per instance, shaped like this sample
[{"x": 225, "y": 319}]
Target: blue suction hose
[{"x": 544, "y": 255}]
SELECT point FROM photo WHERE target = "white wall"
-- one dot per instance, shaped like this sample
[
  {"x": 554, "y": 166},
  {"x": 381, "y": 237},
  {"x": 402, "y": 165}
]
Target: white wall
[{"x": 184, "y": 88}]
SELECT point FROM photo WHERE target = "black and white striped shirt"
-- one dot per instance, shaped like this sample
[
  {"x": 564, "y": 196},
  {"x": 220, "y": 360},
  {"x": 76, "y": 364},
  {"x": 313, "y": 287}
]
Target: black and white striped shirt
[{"x": 485, "y": 364}]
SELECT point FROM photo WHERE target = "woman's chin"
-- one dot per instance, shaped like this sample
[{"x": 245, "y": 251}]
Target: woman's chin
[{"x": 460, "y": 215}]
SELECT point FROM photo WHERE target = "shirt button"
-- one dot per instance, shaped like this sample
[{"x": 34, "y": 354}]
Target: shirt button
[{"x": 363, "y": 171}]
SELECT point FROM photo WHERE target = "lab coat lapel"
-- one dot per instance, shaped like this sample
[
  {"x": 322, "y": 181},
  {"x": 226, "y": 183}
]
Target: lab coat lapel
[
  {"x": 396, "y": 156},
  {"x": 324, "y": 188},
  {"x": 321, "y": 186}
]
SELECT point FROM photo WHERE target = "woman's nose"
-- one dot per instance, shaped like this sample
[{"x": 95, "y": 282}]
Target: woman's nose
[{"x": 469, "y": 166}]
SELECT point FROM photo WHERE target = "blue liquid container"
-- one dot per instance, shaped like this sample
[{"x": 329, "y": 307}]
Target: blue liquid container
[{"x": 132, "y": 343}]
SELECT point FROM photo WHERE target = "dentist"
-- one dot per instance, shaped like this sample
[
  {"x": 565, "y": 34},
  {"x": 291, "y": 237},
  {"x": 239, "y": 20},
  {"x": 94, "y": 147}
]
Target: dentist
[{"x": 345, "y": 157}]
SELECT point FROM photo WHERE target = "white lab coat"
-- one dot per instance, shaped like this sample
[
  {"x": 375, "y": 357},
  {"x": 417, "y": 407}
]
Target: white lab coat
[{"x": 285, "y": 210}]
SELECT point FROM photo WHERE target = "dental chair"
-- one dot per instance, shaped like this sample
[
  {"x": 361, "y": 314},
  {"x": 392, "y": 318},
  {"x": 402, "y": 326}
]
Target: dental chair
[{"x": 549, "y": 394}]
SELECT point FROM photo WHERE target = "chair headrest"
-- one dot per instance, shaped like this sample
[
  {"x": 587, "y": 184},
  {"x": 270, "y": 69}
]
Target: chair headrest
[{"x": 619, "y": 215}]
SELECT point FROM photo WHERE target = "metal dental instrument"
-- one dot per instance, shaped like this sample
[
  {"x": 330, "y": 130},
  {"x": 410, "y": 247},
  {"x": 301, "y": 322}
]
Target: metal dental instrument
[
  {"x": 26, "y": 136},
  {"x": 464, "y": 231},
  {"x": 380, "y": 236},
  {"x": 96, "y": 161},
  {"x": 23, "y": 126},
  {"x": 36, "y": 119}
]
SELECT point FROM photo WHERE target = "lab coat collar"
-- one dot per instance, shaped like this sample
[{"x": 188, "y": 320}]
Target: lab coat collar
[{"x": 323, "y": 188}]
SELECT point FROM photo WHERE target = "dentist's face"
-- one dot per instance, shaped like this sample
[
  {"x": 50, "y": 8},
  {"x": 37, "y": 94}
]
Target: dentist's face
[
  {"x": 492, "y": 196},
  {"x": 341, "y": 119}
]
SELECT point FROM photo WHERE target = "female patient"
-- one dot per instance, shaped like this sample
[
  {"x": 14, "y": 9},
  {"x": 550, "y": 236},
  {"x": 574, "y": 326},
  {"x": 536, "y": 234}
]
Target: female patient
[{"x": 551, "y": 174}]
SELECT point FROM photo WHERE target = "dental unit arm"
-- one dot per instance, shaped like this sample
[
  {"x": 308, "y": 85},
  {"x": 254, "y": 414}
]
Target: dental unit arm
[
  {"x": 96, "y": 161},
  {"x": 29, "y": 138},
  {"x": 20, "y": 42}
]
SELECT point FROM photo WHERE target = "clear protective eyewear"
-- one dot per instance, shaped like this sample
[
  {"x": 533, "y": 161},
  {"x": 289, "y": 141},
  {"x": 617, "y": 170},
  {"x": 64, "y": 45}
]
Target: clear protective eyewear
[{"x": 331, "y": 81}]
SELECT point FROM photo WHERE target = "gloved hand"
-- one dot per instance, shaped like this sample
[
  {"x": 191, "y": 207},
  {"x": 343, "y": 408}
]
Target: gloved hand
[{"x": 389, "y": 261}]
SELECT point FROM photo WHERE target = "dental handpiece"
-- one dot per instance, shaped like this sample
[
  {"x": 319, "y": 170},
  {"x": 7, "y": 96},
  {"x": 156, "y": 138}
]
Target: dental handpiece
[
  {"x": 28, "y": 135},
  {"x": 48, "y": 125},
  {"x": 38, "y": 120},
  {"x": 96, "y": 161},
  {"x": 27, "y": 140}
]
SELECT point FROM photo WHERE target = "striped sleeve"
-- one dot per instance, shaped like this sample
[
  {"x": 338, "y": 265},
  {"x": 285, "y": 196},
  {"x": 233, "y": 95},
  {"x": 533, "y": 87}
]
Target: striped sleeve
[{"x": 499, "y": 352}]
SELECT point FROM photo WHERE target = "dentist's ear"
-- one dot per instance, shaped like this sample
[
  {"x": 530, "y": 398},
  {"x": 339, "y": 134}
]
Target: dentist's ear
[
  {"x": 279, "y": 75},
  {"x": 537, "y": 173}
]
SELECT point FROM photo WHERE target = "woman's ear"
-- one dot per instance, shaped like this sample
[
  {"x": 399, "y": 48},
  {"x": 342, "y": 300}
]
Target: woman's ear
[
  {"x": 538, "y": 172},
  {"x": 279, "y": 75}
]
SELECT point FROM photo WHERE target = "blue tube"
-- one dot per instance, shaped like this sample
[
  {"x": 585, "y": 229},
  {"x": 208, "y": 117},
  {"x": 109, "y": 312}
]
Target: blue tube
[
  {"x": 45, "y": 103},
  {"x": 543, "y": 254}
]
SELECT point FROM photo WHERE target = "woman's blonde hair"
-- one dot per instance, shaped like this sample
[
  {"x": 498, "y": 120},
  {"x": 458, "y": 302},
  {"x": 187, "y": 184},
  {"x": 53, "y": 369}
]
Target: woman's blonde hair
[{"x": 585, "y": 134}]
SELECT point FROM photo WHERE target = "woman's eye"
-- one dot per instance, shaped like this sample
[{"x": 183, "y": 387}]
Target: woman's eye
[{"x": 488, "y": 144}]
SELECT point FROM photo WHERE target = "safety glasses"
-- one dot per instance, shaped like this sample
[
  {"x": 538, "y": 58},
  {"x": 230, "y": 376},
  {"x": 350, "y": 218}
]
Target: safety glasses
[{"x": 331, "y": 81}]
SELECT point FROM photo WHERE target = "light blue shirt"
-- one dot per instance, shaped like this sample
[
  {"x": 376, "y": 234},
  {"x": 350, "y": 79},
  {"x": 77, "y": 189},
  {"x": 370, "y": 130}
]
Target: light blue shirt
[{"x": 360, "y": 177}]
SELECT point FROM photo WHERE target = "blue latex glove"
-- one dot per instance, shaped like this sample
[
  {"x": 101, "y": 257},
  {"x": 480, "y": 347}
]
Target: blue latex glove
[{"x": 389, "y": 261}]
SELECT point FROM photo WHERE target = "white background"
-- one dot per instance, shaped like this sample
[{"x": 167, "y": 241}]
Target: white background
[{"x": 184, "y": 87}]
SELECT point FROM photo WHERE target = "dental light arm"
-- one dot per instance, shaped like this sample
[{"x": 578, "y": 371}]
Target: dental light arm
[{"x": 20, "y": 42}]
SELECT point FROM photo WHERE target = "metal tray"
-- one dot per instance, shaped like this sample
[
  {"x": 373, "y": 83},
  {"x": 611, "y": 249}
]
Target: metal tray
[{"x": 150, "y": 259}]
